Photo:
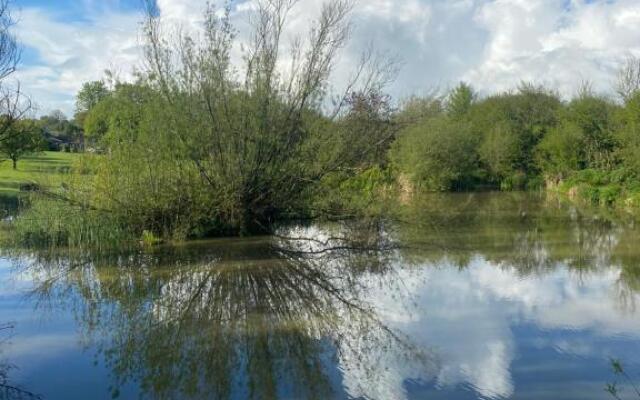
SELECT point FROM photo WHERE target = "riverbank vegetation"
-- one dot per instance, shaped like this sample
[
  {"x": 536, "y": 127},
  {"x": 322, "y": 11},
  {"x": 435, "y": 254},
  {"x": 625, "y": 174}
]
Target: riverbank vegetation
[
  {"x": 196, "y": 148},
  {"x": 528, "y": 138},
  {"x": 200, "y": 144}
]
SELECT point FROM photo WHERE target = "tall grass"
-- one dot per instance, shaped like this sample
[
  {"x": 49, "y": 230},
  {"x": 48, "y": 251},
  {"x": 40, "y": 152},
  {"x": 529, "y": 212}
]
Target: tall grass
[{"x": 51, "y": 223}]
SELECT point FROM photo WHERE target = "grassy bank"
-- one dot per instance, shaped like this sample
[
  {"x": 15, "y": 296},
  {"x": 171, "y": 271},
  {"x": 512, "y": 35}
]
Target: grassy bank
[
  {"x": 617, "y": 189},
  {"x": 43, "y": 168},
  {"x": 47, "y": 170}
]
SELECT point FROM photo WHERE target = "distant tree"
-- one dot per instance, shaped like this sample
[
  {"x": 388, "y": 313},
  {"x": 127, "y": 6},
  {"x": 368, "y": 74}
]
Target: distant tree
[
  {"x": 57, "y": 115},
  {"x": 120, "y": 112},
  {"x": 628, "y": 81},
  {"x": 499, "y": 151},
  {"x": 369, "y": 129},
  {"x": 13, "y": 104},
  {"x": 57, "y": 124},
  {"x": 594, "y": 116},
  {"x": 525, "y": 116},
  {"x": 460, "y": 100},
  {"x": 416, "y": 109},
  {"x": 88, "y": 97},
  {"x": 561, "y": 152},
  {"x": 439, "y": 154},
  {"x": 24, "y": 137},
  {"x": 628, "y": 134}
]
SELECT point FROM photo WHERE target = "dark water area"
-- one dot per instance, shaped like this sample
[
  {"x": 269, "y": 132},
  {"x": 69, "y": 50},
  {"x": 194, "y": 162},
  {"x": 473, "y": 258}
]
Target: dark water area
[{"x": 465, "y": 296}]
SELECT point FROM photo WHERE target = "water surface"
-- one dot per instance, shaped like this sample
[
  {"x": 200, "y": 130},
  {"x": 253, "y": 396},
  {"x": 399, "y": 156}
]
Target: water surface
[{"x": 464, "y": 296}]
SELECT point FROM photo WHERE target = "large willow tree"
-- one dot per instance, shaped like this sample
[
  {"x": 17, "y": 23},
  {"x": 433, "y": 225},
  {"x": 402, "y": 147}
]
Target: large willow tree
[{"x": 206, "y": 143}]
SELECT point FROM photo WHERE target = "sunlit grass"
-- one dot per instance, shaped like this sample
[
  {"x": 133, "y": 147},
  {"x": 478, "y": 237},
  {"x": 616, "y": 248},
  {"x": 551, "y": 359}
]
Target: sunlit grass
[{"x": 46, "y": 167}]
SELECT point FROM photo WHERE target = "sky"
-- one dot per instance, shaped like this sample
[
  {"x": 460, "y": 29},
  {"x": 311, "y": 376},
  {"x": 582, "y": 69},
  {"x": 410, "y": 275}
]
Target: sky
[{"x": 492, "y": 44}]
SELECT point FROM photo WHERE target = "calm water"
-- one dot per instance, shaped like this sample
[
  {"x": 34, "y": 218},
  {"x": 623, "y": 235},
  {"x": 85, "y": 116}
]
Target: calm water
[{"x": 467, "y": 296}]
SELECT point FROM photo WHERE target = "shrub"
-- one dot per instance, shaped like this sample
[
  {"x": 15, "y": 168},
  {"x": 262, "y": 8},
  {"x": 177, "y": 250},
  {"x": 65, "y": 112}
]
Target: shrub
[
  {"x": 438, "y": 154},
  {"x": 515, "y": 181}
]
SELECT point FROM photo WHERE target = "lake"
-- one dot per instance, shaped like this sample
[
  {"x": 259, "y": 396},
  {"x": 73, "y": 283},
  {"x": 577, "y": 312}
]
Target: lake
[{"x": 461, "y": 296}]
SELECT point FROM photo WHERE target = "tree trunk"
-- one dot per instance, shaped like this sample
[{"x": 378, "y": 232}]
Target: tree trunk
[{"x": 15, "y": 163}]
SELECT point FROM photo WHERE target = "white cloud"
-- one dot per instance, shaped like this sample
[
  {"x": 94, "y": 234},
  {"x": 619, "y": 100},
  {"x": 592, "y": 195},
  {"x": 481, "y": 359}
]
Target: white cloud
[
  {"x": 71, "y": 53},
  {"x": 465, "y": 318},
  {"x": 494, "y": 44},
  {"x": 553, "y": 42}
]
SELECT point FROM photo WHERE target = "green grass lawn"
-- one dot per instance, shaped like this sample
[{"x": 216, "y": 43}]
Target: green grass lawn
[{"x": 47, "y": 167}]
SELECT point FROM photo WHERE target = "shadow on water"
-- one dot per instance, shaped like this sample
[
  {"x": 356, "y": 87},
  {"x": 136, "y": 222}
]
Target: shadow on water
[{"x": 532, "y": 233}]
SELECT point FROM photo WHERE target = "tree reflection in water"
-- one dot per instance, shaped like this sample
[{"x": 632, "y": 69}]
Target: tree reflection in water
[
  {"x": 261, "y": 318},
  {"x": 9, "y": 391},
  {"x": 296, "y": 315},
  {"x": 531, "y": 234}
]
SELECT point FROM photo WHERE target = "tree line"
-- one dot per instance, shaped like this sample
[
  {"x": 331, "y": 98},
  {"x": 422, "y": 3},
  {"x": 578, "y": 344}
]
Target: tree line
[
  {"x": 524, "y": 138},
  {"x": 30, "y": 135}
]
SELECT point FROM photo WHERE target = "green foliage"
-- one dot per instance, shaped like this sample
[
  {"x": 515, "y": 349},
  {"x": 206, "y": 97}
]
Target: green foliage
[
  {"x": 150, "y": 239},
  {"x": 516, "y": 181},
  {"x": 491, "y": 141},
  {"x": 89, "y": 96},
  {"x": 96, "y": 123},
  {"x": 363, "y": 192},
  {"x": 460, "y": 100},
  {"x": 561, "y": 151},
  {"x": 524, "y": 117},
  {"x": 499, "y": 151},
  {"x": 367, "y": 130},
  {"x": 22, "y": 138},
  {"x": 417, "y": 109},
  {"x": 588, "y": 147},
  {"x": 191, "y": 149},
  {"x": 438, "y": 154},
  {"x": 602, "y": 187},
  {"x": 628, "y": 134},
  {"x": 610, "y": 194},
  {"x": 117, "y": 117},
  {"x": 593, "y": 115}
]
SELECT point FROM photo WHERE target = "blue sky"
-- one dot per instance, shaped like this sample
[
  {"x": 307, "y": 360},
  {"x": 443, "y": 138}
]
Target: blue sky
[
  {"x": 74, "y": 9},
  {"x": 70, "y": 11},
  {"x": 494, "y": 44}
]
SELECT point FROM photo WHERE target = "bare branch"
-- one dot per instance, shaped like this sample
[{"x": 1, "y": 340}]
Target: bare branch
[
  {"x": 14, "y": 106},
  {"x": 10, "y": 52},
  {"x": 628, "y": 81}
]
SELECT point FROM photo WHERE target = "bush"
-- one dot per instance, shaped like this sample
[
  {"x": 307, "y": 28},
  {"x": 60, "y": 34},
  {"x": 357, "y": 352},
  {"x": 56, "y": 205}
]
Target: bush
[
  {"x": 560, "y": 152},
  {"x": 610, "y": 194},
  {"x": 360, "y": 192},
  {"x": 515, "y": 181},
  {"x": 439, "y": 154}
]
